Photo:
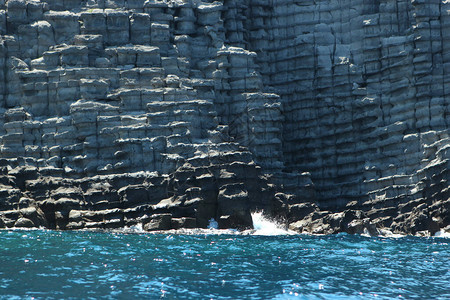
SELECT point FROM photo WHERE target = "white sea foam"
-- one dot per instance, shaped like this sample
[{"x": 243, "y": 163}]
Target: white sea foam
[
  {"x": 136, "y": 228},
  {"x": 264, "y": 226},
  {"x": 442, "y": 234},
  {"x": 384, "y": 232}
]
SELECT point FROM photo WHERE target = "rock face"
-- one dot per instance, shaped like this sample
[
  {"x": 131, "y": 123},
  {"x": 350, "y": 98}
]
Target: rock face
[{"x": 330, "y": 114}]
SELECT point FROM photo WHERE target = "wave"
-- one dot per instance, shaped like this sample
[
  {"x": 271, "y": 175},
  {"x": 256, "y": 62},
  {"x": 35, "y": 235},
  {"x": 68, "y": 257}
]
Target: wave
[{"x": 265, "y": 226}]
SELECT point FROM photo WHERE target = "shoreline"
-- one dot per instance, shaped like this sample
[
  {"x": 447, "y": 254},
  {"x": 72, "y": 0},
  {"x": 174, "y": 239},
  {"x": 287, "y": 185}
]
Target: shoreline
[{"x": 232, "y": 232}]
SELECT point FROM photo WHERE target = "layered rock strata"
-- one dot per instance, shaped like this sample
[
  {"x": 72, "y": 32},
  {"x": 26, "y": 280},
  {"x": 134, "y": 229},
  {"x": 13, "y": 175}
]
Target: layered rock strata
[
  {"x": 363, "y": 87},
  {"x": 329, "y": 114}
]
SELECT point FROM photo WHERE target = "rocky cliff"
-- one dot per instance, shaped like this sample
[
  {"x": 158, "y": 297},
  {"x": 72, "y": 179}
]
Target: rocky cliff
[{"x": 329, "y": 114}]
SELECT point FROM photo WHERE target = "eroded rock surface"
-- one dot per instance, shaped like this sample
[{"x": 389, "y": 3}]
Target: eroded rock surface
[{"x": 329, "y": 114}]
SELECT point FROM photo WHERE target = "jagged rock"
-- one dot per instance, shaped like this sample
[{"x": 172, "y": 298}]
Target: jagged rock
[
  {"x": 364, "y": 226},
  {"x": 301, "y": 210},
  {"x": 233, "y": 207}
]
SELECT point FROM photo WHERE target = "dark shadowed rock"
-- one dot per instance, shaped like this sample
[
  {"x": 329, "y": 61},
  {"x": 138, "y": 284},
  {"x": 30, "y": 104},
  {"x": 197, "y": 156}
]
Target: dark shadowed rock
[
  {"x": 159, "y": 222},
  {"x": 234, "y": 207},
  {"x": 184, "y": 222},
  {"x": 364, "y": 226},
  {"x": 35, "y": 215},
  {"x": 239, "y": 221},
  {"x": 301, "y": 210}
]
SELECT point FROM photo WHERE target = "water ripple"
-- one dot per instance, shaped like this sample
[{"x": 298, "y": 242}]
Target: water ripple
[{"x": 48, "y": 264}]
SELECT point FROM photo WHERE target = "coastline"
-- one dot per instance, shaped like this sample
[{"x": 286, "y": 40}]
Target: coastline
[
  {"x": 170, "y": 113},
  {"x": 269, "y": 228}
]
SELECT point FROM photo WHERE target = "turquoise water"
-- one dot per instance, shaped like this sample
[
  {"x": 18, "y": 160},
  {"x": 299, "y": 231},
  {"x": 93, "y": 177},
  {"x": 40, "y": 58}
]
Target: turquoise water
[{"x": 52, "y": 264}]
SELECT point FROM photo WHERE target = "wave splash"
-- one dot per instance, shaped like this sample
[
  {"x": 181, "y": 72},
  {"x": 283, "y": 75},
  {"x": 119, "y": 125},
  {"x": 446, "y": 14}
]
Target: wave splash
[{"x": 264, "y": 226}]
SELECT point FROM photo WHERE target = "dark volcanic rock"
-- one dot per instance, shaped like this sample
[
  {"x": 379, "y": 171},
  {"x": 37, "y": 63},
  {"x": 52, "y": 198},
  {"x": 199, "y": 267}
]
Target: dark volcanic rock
[
  {"x": 159, "y": 222},
  {"x": 117, "y": 113},
  {"x": 24, "y": 222},
  {"x": 184, "y": 222}
]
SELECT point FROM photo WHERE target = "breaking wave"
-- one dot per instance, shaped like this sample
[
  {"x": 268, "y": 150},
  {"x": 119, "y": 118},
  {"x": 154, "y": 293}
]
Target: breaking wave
[{"x": 265, "y": 226}]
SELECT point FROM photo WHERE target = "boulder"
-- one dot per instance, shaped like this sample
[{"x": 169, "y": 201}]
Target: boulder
[
  {"x": 159, "y": 222},
  {"x": 24, "y": 223}
]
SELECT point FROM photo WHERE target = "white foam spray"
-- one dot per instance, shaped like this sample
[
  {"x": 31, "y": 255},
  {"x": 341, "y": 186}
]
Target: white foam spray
[
  {"x": 138, "y": 228},
  {"x": 442, "y": 234},
  {"x": 264, "y": 226},
  {"x": 213, "y": 224}
]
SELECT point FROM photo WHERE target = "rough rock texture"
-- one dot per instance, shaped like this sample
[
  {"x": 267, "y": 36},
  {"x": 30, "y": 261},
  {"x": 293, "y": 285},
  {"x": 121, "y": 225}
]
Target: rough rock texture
[
  {"x": 330, "y": 114},
  {"x": 364, "y": 87}
]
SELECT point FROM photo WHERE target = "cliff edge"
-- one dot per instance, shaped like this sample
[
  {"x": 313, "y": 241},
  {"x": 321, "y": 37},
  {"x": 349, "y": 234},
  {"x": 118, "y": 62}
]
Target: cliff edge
[{"x": 331, "y": 115}]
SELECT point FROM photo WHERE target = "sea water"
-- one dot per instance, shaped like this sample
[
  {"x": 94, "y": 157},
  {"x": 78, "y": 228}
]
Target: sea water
[{"x": 268, "y": 263}]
